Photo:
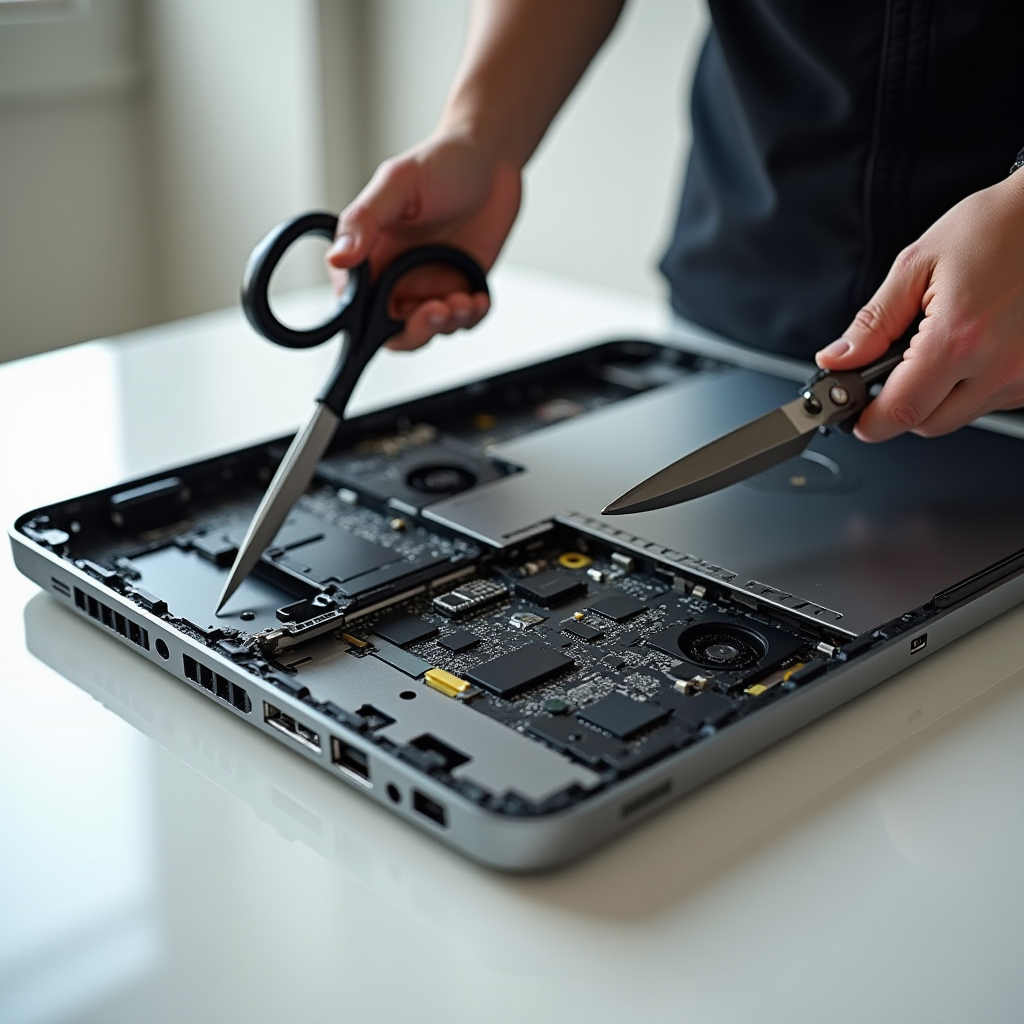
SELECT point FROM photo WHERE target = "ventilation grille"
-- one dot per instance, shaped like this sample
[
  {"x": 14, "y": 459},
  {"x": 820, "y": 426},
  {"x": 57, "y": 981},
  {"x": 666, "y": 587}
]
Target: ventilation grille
[
  {"x": 644, "y": 800},
  {"x": 113, "y": 620},
  {"x": 217, "y": 685}
]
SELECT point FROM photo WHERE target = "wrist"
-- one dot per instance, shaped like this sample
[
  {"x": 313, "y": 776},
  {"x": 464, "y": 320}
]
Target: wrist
[{"x": 481, "y": 121}]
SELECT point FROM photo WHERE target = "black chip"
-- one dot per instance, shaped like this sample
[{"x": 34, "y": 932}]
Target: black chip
[
  {"x": 613, "y": 662},
  {"x": 513, "y": 673},
  {"x": 583, "y": 631},
  {"x": 405, "y": 629},
  {"x": 459, "y": 641},
  {"x": 550, "y": 589},
  {"x": 565, "y": 733},
  {"x": 622, "y": 716},
  {"x": 402, "y": 660},
  {"x": 628, "y": 639},
  {"x": 618, "y": 607},
  {"x": 696, "y": 710}
]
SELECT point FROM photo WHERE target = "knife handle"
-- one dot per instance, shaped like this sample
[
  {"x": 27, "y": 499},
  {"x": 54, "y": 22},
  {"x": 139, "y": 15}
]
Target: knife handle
[{"x": 881, "y": 368}]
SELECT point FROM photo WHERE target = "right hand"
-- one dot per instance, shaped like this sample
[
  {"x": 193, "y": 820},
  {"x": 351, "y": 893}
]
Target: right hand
[{"x": 447, "y": 189}]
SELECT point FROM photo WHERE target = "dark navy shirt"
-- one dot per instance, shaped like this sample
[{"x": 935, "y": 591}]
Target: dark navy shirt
[{"x": 828, "y": 135}]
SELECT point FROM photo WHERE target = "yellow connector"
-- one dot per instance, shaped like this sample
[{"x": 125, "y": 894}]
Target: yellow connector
[
  {"x": 445, "y": 682},
  {"x": 355, "y": 641},
  {"x": 574, "y": 560},
  {"x": 756, "y": 690},
  {"x": 790, "y": 671}
]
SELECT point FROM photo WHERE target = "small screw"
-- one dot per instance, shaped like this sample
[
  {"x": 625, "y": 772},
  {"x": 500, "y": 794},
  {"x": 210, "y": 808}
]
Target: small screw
[
  {"x": 811, "y": 402},
  {"x": 839, "y": 395}
]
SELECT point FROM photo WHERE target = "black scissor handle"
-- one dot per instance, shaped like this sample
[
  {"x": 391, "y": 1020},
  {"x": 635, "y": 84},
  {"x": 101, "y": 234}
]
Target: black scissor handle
[
  {"x": 369, "y": 321},
  {"x": 261, "y": 266},
  {"x": 358, "y": 303}
]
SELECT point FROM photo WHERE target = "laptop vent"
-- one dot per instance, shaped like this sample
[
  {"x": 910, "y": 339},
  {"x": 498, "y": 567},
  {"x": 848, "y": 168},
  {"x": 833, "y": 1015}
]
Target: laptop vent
[
  {"x": 644, "y": 800},
  {"x": 113, "y": 620},
  {"x": 216, "y": 684}
]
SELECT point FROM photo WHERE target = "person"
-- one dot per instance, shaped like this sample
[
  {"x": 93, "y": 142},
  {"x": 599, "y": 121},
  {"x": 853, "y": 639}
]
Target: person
[{"x": 848, "y": 173}]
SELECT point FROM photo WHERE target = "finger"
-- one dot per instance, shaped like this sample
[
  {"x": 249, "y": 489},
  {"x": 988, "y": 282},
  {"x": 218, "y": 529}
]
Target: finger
[
  {"x": 966, "y": 402},
  {"x": 390, "y": 196},
  {"x": 421, "y": 325},
  {"x": 455, "y": 312},
  {"x": 884, "y": 318},
  {"x": 913, "y": 391}
]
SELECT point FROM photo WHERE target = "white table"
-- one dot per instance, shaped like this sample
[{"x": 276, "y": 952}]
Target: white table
[{"x": 161, "y": 862}]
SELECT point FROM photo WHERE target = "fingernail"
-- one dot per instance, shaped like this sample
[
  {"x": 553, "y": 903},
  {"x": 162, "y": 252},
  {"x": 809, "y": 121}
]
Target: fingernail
[
  {"x": 836, "y": 349},
  {"x": 436, "y": 320},
  {"x": 342, "y": 244}
]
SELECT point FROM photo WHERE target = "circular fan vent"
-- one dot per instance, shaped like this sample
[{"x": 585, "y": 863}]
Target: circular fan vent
[
  {"x": 722, "y": 645},
  {"x": 440, "y": 479}
]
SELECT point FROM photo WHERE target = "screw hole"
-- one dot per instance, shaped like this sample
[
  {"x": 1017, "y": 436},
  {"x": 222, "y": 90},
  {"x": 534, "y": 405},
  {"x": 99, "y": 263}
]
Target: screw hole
[
  {"x": 161, "y": 649},
  {"x": 408, "y": 695},
  {"x": 393, "y": 794}
]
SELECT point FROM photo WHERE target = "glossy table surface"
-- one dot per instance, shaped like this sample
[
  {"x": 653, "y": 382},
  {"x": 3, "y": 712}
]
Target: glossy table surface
[{"x": 162, "y": 862}]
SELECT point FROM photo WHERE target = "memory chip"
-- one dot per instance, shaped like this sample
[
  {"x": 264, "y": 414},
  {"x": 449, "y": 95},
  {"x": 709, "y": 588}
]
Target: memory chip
[
  {"x": 521, "y": 670},
  {"x": 618, "y": 607},
  {"x": 622, "y": 716},
  {"x": 468, "y": 597},
  {"x": 582, "y": 631},
  {"x": 550, "y": 589},
  {"x": 459, "y": 641},
  {"x": 405, "y": 629}
]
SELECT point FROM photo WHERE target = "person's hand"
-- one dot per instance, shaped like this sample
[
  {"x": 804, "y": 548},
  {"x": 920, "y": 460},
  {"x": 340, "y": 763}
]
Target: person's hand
[
  {"x": 966, "y": 274},
  {"x": 447, "y": 189}
]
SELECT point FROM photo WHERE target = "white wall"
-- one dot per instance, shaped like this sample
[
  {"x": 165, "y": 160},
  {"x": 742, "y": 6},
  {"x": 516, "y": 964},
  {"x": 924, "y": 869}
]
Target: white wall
[
  {"x": 237, "y": 137},
  {"x": 602, "y": 190},
  {"x": 142, "y": 154},
  {"x": 73, "y": 202},
  {"x": 144, "y": 148}
]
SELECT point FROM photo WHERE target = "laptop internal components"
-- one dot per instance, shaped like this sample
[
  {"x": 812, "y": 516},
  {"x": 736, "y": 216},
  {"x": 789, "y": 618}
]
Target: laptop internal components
[{"x": 518, "y": 679}]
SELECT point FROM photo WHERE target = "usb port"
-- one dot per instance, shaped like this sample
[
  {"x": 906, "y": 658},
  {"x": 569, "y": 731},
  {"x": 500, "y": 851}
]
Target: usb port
[
  {"x": 918, "y": 643},
  {"x": 285, "y": 723},
  {"x": 429, "y": 808},
  {"x": 351, "y": 760}
]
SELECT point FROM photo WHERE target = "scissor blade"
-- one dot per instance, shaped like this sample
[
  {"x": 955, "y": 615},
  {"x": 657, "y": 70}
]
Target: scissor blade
[
  {"x": 750, "y": 449},
  {"x": 289, "y": 483}
]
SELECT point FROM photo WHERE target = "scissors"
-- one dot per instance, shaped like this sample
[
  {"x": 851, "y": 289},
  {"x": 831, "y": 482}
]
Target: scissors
[
  {"x": 827, "y": 399},
  {"x": 363, "y": 317}
]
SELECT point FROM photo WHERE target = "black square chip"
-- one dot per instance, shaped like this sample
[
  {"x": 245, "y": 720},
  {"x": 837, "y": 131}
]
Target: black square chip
[
  {"x": 583, "y": 631},
  {"x": 550, "y": 589},
  {"x": 622, "y": 716},
  {"x": 513, "y": 673},
  {"x": 619, "y": 607},
  {"x": 696, "y": 710},
  {"x": 459, "y": 641},
  {"x": 403, "y": 630}
]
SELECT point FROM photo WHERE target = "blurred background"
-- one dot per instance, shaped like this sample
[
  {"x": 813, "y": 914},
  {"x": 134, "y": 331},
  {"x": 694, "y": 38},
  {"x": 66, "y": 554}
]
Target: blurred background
[{"x": 146, "y": 145}]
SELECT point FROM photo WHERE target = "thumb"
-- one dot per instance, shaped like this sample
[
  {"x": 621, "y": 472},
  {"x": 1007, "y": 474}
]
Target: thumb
[
  {"x": 390, "y": 196},
  {"x": 883, "y": 319}
]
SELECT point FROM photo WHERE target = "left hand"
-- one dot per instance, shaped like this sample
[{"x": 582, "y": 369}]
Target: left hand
[{"x": 966, "y": 274}]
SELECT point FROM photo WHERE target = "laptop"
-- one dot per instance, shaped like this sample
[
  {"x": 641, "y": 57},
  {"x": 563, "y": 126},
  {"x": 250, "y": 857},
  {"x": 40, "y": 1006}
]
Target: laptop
[{"x": 447, "y": 624}]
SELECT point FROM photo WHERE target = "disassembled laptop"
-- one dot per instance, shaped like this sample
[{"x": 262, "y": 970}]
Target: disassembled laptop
[{"x": 524, "y": 684}]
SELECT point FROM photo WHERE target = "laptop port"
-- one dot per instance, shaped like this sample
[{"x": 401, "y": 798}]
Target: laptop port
[
  {"x": 290, "y": 726},
  {"x": 918, "y": 643},
  {"x": 351, "y": 760},
  {"x": 429, "y": 808}
]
